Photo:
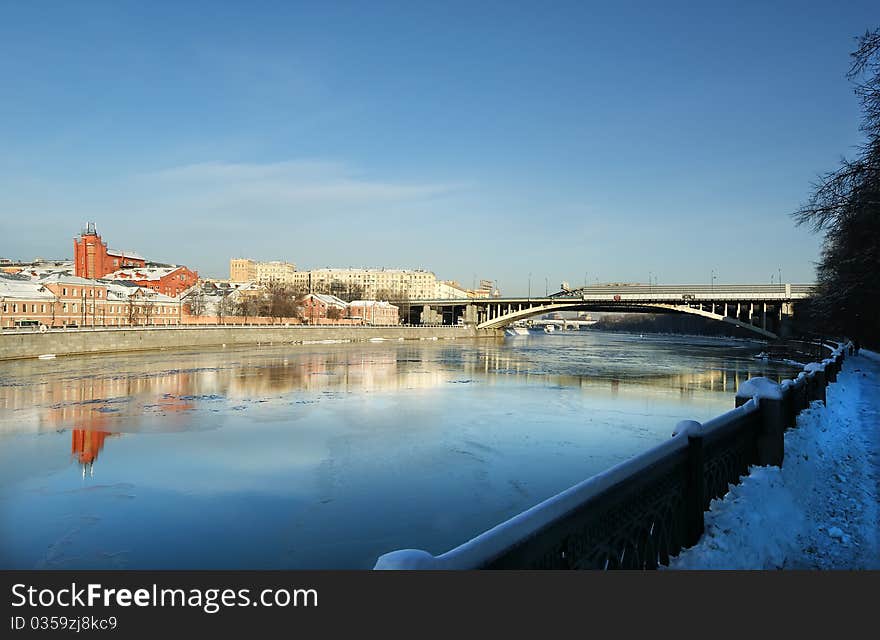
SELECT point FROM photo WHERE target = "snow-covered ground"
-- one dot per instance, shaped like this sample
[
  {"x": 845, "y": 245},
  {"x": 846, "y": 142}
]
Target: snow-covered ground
[{"x": 820, "y": 510}]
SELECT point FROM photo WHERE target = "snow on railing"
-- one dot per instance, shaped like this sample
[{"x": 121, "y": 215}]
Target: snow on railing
[{"x": 644, "y": 510}]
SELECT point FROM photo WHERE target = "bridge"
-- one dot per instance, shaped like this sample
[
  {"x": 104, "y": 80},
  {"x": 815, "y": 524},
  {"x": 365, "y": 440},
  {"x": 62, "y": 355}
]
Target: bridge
[{"x": 760, "y": 308}]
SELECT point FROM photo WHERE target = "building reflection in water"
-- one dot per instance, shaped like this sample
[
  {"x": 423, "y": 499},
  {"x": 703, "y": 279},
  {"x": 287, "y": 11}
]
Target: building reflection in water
[
  {"x": 123, "y": 394},
  {"x": 85, "y": 446}
]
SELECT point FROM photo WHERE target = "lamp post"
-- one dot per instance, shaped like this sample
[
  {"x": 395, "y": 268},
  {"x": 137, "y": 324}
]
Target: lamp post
[
  {"x": 530, "y": 285},
  {"x": 713, "y": 280}
]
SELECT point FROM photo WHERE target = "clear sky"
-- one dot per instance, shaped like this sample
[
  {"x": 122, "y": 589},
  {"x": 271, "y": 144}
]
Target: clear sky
[{"x": 573, "y": 140}]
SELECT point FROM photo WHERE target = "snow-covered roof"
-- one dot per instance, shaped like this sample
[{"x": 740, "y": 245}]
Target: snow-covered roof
[
  {"x": 38, "y": 272},
  {"x": 67, "y": 278},
  {"x": 328, "y": 299},
  {"x": 125, "y": 254},
  {"x": 142, "y": 273},
  {"x": 119, "y": 291},
  {"x": 15, "y": 288},
  {"x": 370, "y": 303}
]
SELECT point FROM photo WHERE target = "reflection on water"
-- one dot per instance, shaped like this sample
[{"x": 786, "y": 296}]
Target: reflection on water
[{"x": 328, "y": 455}]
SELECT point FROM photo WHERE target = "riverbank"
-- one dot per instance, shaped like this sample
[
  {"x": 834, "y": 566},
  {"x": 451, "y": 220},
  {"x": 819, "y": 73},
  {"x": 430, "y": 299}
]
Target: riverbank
[
  {"x": 820, "y": 510},
  {"x": 15, "y": 346}
]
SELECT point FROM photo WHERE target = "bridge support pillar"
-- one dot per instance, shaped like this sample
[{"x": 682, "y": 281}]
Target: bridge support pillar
[
  {"x": 429, "y": 315},
  {"x": 764, "y": 317}
]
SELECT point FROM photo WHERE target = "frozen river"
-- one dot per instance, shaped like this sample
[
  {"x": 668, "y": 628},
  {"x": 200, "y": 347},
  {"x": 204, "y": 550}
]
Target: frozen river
[{"x": 327, "y": 456}]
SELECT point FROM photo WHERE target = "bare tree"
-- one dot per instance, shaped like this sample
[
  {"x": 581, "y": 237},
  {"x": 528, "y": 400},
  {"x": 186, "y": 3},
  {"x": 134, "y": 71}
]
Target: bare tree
[
  {"x": 247, "y": 306},
  {"x": 195, "y": 303},
  {"x": 133, "y": 309},
  {"x": 224, "y": 306},
  {"x": 845, "y": 204},
  {"x": 334, "y": 313},
  {"x": 147, "y": 308},
  {"x": 280, "y": 302}
]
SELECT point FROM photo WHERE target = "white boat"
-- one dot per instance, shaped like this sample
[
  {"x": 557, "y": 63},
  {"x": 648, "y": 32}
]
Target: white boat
[{"x": 513, "y": 330}]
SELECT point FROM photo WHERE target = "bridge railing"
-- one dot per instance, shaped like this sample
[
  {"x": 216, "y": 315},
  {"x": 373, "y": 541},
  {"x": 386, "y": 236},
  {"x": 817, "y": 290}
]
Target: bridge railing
[{"x": 643, "y": 511}]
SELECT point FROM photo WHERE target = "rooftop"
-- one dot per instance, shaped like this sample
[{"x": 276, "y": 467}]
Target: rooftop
[
  {"x": 23, "y": 289},
  {"x": 125, "y": 254},
  {"x": 142, "y": 273}
]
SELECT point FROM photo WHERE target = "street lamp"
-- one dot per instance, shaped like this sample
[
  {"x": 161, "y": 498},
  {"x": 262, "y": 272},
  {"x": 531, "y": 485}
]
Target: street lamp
[
  {"x": 713, "y": 280},
  {"x": 530, "y": 285},
  {"x": 546, "y": 286}
]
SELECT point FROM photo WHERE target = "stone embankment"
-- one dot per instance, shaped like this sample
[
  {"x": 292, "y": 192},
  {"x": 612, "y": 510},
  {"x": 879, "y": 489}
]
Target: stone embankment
[{"x": 88, "y": 341}]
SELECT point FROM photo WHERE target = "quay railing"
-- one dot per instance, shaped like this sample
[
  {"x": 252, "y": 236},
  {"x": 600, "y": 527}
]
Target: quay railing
[
  {"x": 645, "y": 510},
  {"x": 7, "y": 331}
]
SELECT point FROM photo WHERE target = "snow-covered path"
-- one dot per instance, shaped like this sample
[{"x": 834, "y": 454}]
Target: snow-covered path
[{"x": 820, "y": 511}]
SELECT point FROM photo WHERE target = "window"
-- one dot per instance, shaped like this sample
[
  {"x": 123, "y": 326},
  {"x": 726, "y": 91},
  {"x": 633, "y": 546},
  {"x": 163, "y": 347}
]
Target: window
[
  {"x": 15, "y": 308},
  {"x": 74, "y": 291},
  {"x": 64, "y": 291},
  {"x": 64, "y": 307},
  {"x": 5, "y": 308},
  {"x": 42, "y": 308},
  {"x": 74, "y": 307}
]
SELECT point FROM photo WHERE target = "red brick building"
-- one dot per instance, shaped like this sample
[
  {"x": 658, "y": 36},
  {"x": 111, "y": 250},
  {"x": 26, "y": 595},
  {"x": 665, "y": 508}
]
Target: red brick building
[
  {"x": 317, "y": 307},
  {"x": 92, "y": 258},
  {"x": 169, "y": 281}
]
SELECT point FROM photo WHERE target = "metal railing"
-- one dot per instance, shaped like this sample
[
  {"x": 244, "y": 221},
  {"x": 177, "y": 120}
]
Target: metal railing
[
  {"x": 188, "y": 327},
  {"x": 641, "y": 512}
]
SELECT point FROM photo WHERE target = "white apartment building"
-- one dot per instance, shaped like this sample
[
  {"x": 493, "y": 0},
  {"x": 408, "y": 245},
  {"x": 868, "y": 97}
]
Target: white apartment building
[
  {"x": 275, "y": 272},
  {"x": 373, "y": 284}
]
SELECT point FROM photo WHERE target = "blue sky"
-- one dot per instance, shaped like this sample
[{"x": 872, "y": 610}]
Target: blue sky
[{"x": 565, "y": 140}]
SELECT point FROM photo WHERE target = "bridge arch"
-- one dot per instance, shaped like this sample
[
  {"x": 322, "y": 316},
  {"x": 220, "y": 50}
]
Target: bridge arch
[{"x": 506, "y": 319}]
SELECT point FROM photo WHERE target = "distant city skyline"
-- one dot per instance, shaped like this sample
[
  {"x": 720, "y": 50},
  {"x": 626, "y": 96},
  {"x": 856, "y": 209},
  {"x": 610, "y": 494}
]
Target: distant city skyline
[{"x": 495, "y": 141}]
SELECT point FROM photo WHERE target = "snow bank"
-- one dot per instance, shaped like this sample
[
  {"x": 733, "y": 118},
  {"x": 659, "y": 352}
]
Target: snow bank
[{"x": 820, "y": 511}]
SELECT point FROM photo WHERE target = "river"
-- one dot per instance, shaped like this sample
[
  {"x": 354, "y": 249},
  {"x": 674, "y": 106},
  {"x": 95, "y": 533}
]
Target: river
[{"x": 328, "y": 455}]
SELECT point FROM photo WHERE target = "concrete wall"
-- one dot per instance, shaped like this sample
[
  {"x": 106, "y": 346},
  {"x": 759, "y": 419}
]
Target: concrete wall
[{"x": 84, "y": 341}]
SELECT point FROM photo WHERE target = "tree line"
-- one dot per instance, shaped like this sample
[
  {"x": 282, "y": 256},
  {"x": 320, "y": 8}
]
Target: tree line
[
  {"x": 845, "y": 206},
  {"x": 281, "y": 301}
]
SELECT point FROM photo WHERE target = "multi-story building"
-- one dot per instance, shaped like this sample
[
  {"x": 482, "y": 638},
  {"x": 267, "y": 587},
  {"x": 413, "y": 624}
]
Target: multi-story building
[
  {"x": 387, "y": 284},
  {"x": 242, "y": 270},
  {"x": 275, "y": 273},
  {"x": 450, "y": 290},
  {"x": 92, "y": 258},
  {"x": 69, "y": 301}
]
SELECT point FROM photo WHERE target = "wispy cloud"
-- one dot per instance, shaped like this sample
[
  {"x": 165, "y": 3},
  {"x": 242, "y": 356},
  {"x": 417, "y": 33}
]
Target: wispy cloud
[{"x": 312, "y": 182}]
